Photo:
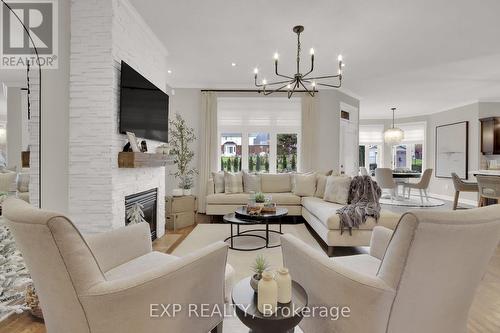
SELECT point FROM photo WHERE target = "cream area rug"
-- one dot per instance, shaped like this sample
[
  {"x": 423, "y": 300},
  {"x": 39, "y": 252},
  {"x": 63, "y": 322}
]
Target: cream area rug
[{"x": 205, "y": 234}]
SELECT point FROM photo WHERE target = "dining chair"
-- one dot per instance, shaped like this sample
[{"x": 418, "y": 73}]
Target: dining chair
[
  {"x": 384, "y": 179},
  {"x": 461, "y": 186},
  {"x": 422, "y": 185},
  {"x": 363, "y": 171},
  {"x": 489, "y": 188}
]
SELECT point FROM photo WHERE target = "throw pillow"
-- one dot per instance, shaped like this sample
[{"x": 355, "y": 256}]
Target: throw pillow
[
  {"x": 8, "y": 181},
  {"x": 251, "y": 182},
  {"x": 218, "y": 178},
  {"x": 320, "y": 186},
  {"x": 337, "y": 189},
  {"x": 276, "y": 183},
  {"x": 304, "y": 185},
  {"x": 23, "y": 182},
  {"x": 233, "y": 182}
]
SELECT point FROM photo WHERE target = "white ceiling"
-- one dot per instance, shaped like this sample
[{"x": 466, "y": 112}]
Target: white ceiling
[{"x": 422, "y": 56}]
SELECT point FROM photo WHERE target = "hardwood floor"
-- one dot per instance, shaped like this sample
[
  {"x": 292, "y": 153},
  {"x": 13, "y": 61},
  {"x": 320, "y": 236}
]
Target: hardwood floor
[{"x": 484, "y": 316}]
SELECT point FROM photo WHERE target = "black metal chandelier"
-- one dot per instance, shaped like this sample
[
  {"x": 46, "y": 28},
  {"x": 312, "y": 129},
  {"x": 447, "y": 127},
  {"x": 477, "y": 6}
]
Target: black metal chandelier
[{"x": 299, "y": 80}]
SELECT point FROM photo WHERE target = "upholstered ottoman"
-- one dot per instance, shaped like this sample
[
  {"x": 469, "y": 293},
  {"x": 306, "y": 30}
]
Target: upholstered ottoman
[{"x": 228, "y": 282}]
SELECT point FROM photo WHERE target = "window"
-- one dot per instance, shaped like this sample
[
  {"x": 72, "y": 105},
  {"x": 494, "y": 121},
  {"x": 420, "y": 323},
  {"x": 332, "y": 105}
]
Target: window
[
  {"x": 258, "y": 152},
  {"x": 371, "y": 145},
  {"x": 262, "y": 133},
  {"x": 409, "y": 155},
  {"x": 286, "y": 156},
  {"x": 230, "y": 159}
]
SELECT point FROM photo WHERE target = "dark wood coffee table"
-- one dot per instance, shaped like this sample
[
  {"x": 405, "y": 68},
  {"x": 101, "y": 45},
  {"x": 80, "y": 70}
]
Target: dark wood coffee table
[
  {"x": 286, "y": 318},
  {"x": 241, "y": 217}
]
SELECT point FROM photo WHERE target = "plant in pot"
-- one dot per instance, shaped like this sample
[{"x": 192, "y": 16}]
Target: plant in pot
[
  {"x": 181, "y": 138},
  {"x": 260, "y": 197},
  {"x": 259, "y": 266}
]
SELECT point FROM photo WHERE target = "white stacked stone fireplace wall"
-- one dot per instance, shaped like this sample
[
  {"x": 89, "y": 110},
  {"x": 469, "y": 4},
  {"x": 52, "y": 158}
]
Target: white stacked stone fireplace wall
[{"x": 97, "y": 186}]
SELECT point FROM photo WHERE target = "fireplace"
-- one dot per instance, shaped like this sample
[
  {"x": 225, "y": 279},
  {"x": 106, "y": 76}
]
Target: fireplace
[{"x": 148, "y": 200}]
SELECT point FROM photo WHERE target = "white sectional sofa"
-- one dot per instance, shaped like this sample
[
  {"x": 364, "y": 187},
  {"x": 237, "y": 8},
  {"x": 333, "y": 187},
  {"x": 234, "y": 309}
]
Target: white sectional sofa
[{"x": 319, "y": 214}]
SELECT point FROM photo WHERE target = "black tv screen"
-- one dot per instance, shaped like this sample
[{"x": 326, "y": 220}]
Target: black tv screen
[{"x": 143, "y": 106}]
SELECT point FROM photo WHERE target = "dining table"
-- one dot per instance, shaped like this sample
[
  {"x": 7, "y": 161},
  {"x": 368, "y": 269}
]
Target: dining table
[{"x": 402, "y": 177}]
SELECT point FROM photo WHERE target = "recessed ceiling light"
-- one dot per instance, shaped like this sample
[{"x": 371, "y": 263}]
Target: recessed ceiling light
[
  {"x": 169, "y": 71},
  {"x": 233, "y": 64}
]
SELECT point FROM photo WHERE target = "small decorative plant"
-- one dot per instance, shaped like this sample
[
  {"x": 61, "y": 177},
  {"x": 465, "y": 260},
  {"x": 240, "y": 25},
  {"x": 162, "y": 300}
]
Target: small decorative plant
[
  {"x": 181, "y": 137},
  {"x": 260, "y": 197},
  {"x": 260, "y": 265}
]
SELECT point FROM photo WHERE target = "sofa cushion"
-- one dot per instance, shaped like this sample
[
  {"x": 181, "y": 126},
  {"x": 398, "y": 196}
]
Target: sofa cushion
[
  {"x": 251, "y": 182},
  {"x": 304, "y": 185},
  {"x": 233, "y": 182},
  {"x": 276, "y": 183},
  {"x": 326, "y": 212},
  {"x": 242, "y": 199},
  {"x": 337, "y": 189},
  {"x": 218, "y": 178}
]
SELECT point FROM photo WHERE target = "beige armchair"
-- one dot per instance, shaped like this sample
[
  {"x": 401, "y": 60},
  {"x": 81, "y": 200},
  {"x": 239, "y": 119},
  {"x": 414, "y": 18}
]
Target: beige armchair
[
  {"x": 421, "y": 278},
  {"x": 113, "y": 281}
]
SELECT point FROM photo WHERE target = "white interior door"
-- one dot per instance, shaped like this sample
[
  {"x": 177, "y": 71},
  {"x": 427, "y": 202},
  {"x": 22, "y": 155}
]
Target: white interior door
[{"x": 348, "y": 142}]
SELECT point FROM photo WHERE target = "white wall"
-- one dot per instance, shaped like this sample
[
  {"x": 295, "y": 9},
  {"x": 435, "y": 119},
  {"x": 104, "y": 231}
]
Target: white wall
[
  {"x": 444, "y": 186},
  {"x": 326, "y": 122},
  {"x": 14, "y": 127},
  {"x": 97, "y": 187},
  {"x": 186, "y": 102},
  {"x": 55, "y": 119}
]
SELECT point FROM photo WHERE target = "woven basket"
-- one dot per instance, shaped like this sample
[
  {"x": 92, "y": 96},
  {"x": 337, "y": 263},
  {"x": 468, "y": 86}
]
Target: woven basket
[{"x": 32, "y": 301}]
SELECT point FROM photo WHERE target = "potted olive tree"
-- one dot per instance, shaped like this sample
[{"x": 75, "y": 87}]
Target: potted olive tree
[{"x": 181, "y": 138}]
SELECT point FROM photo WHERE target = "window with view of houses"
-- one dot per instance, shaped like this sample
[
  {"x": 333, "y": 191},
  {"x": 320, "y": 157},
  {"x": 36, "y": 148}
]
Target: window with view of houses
[
  {"x": 409, "y": 154},
  {"x": 259, "y": 134}
]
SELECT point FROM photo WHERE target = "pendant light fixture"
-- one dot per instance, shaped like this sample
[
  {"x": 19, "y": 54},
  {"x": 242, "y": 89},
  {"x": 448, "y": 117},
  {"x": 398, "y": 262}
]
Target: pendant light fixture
[
  {"x": 298, "y": 80},
  {"x": 393, "y": 135}
]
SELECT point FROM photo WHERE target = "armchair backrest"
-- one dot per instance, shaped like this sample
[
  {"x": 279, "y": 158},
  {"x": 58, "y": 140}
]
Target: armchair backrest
[
  {"x": 435, "y": 261},
  {"x": 60, "y": 262}
]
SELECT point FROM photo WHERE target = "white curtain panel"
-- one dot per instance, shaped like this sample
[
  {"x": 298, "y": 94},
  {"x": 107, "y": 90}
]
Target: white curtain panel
[
  {"x": 209, "y": 139},
  {"x": 307, "y": 133}
]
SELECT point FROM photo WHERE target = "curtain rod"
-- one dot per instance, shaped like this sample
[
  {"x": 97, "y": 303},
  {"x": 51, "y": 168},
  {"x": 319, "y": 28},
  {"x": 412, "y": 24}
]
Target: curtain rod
[{"x": 246, "y": 90}]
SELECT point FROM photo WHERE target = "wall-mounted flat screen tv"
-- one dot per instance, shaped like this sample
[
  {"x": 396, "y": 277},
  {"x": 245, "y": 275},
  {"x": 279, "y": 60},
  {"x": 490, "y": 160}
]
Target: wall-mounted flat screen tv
[{"x": 143, "y": 106}]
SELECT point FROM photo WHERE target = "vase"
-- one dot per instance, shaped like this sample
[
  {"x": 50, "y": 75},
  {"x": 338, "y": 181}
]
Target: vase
[
  {"x": 177, "y": 192},
  {"x": 254, "y": 282},
  {"x": 267, "y": 295},
  {"x": 284, "y": 282},
  {"x": 187, "y": 191}
]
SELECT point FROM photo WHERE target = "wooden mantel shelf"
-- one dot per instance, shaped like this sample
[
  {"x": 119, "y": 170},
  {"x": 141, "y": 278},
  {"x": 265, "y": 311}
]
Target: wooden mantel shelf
[{"x": 142, "y": 160}]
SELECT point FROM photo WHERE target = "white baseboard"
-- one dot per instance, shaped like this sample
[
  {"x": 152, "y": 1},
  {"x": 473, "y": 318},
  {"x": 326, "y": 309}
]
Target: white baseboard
[{"x": 451, "y": 198}]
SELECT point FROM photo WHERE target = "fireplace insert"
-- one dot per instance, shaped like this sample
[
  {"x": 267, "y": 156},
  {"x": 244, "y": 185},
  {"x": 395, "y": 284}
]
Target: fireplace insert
[{"x": 148, "y": 202}]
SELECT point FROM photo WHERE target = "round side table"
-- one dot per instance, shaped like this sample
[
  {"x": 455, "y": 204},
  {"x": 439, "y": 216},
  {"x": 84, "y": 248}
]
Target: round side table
[{"x": 286, "y": 318}]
